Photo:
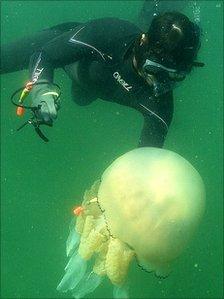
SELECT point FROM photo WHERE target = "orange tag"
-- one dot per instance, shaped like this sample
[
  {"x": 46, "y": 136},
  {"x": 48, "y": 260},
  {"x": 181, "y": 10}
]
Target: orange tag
[
  {"x": 20, "y": 111},
  {"x": 77, "y": 211}
]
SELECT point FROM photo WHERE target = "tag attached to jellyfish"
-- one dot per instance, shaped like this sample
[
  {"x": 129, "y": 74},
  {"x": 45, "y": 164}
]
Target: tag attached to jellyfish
[{"x": 145, "y": 209}]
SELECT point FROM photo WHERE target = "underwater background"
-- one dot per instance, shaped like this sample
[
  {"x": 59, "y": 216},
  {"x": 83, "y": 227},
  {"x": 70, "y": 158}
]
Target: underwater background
[{"x": 41, "y": 183}]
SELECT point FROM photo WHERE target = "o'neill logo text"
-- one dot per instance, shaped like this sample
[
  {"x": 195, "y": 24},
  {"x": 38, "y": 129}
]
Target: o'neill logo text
[{"x": 121, "y": 81}]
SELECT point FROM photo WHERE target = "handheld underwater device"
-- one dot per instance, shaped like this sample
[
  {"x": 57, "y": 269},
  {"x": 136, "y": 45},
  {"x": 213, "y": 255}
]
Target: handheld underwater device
[{"x": 33, "y": 120}]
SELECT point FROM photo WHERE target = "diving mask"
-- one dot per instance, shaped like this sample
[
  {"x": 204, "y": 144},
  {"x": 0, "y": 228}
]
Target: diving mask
[
  {"x": 151, "y": 67},
  {"x": 163, "y": 79}
]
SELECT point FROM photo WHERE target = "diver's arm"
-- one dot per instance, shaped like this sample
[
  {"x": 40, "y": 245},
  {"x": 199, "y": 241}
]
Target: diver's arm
[
  {"x": 153, "y": 133},
  {"x": 156, "y": 124},
  {"x": 57, "y": 53}
]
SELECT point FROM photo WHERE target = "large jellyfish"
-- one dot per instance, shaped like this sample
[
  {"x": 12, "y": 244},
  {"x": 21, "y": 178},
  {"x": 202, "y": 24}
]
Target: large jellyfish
[{"x": 146, "y": 208}]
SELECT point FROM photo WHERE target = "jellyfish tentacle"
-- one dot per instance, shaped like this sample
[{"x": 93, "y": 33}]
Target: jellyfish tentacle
[
  {"x": 75, "y": 270},
  {"x": 93, "y": 239},
  {"x": 120, "y": 292},
  {"x": 80, "y": 223},
  {"x": 73, "y": 240},
  {"x": 118, "y": 259},
  {"x": 88, "y": 246},
  {"x": 100, "y": 259},
  {"x": 71, "y": 260},
  {"x": 87, "y": 285}
]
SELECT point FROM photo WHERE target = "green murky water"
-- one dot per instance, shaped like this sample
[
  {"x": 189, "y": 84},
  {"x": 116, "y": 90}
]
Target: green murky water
[{"x": 42, "y": 182}]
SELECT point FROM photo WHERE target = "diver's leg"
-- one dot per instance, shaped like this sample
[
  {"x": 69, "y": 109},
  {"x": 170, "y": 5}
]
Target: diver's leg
[{"x": 15, "y": 56}]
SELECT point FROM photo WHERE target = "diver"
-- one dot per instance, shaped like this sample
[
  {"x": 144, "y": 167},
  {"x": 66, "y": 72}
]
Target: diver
[{"x": 110, "y": 59}]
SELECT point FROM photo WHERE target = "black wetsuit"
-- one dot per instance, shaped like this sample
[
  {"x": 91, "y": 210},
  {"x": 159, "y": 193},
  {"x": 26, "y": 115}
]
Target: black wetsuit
[{"x": 97, "y": 56}]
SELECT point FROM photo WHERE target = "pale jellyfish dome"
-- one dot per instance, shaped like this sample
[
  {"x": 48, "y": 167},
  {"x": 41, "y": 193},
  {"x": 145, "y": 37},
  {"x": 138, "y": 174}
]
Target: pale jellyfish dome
[
  {"x": 147, "y": 206},
  {"x": 153, "y": 200}
]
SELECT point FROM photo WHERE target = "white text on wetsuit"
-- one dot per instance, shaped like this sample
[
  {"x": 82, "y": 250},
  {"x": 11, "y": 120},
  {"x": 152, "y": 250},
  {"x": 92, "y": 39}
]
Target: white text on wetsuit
[
  {"x": 121, "y": 81},
  {"x": 37, "y": 74}
]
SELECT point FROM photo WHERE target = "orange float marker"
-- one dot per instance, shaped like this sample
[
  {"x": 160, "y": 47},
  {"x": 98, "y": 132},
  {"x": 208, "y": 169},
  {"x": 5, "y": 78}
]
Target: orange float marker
[
  {"x": 77, "y": 211},
  {"x": 20, "y": 111}
]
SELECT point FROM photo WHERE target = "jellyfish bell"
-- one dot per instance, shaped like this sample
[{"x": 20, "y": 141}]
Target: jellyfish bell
[
  {"x": 147, "y": 206},
  {"x": 153, "y": 201}
]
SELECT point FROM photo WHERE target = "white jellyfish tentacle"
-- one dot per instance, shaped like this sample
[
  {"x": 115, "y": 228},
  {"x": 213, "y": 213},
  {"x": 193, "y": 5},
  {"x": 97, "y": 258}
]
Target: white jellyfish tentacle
[
  {"x": 75, "y": 271},
  {"x": 87, "y": 285},
  {"x": 73, "y": 240},
  {"x": 92, "y": 241},
  {"x": 79, "y": 277},
  {"x": 120, "y": 292},
  {"x": 118, "y": 259},
  {"x": 71, "y": 260}
]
